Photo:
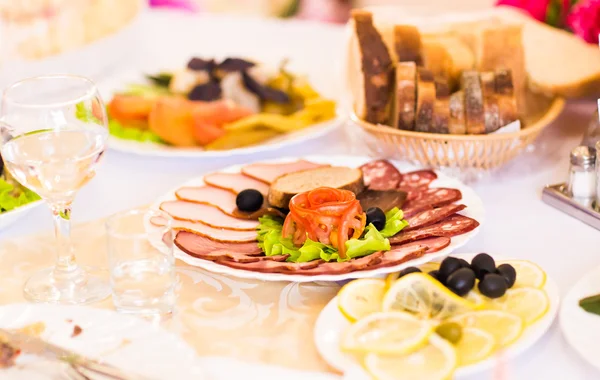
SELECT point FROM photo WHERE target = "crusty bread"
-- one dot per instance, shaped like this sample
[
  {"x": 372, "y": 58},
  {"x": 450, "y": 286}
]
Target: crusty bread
[
  {"x": 406, "y": 96},
  {"x": 507, "y": 104},
  {"x": 491, "y": 112},
  {"x": 457, "y": 124},
  {"x": 285, "y": 187},
  {"x": 446, "y": 55},
  {"x": 377, "y": 70},
  {"x": 441, "y": 108},
  {"x": 407, "y": 44},
  {"x": 425, "y": 100},
  {"x": 474, "y": 113}
]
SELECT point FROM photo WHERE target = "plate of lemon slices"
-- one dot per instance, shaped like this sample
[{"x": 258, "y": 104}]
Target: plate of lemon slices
[{"x": 440, "y": 320}]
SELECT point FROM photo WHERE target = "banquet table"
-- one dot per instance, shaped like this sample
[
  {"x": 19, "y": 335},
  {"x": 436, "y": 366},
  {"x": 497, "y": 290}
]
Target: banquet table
[{"x": 272, "y": 323}]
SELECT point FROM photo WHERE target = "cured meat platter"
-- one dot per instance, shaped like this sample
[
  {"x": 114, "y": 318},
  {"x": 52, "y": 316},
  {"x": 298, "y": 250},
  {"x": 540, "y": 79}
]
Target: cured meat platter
[{"x": 216, "y": 230}]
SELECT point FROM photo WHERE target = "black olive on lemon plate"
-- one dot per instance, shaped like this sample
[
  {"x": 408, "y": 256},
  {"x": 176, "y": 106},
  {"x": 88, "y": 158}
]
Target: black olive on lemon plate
[
  {"x": 408, "y": 270},
  {"x": 461, "y": 281},
  {"x": 508, "y": 272},
  {"x": 249, "y": 200},
  {"x": 435, "y": 274},
  {"x": 483, "y": 264},
  {"x": 376, "y": 216},
  {"x": 493, "y": 285},
  {"x": 464, "y": 263},
  {"x": 448, "y": 266}
]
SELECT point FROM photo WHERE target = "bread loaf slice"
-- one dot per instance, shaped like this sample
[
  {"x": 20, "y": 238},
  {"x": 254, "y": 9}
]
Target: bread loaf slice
[
  {"x": 377, "y": 69},
  {"x": 457, "y": 124},
  {"x": 441, "y": 109},
  {"x": 425, "y": 100},
  {"x": 285, "y": 187},
  {"x": 407, "y": 44},
  {"x": 448, "y": 56},
  {"x": 474, "y": 112},
  {"x": 507, "y": 104},
  {"x": 491, "y": 112},
  {"x": 406, "y": 96}
]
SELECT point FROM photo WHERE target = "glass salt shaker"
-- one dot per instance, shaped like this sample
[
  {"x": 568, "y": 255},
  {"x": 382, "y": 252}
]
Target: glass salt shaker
[{"x": 582, "y": 184}]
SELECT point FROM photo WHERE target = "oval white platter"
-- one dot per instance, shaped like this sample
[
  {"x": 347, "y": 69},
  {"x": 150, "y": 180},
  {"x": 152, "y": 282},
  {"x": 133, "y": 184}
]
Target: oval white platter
[
  {"x": 470, "y": 199},
  {"x": 580, "y": 328},
  {"x": 124, "y": 341},
  {"x": 331, "y": 323},
  {"x": 305, "y": 135},
  {"x": 9, "y": 217}
]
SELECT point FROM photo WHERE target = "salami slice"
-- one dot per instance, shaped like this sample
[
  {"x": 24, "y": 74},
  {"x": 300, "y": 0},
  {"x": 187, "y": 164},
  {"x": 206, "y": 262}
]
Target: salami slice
[
  {"x": 431, "y": 216},
  {"x": 380, "y": 175},
  {"x": 417, "y": 179},
  {"x": 451, "y": 226},
  {"x": 434, "y": 197},
  {"x": 433, "y": 244}
]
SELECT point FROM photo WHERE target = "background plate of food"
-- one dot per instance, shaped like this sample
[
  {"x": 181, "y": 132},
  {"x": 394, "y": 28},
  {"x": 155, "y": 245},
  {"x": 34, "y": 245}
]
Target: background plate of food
[
  {"x": 218, "y": 107},
  {"x": 319, "y": 218},
  {"x": 464, "y": 315},
  {"x": 15, "y": 200}
]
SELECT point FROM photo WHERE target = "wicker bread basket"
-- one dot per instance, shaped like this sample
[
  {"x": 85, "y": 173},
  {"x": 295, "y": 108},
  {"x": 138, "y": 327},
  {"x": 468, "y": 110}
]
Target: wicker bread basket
[{"x": 458, "y": 153}]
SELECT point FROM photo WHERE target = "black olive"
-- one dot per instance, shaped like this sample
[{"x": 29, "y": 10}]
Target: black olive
[
  {"x": 449, "y": 265},
  {"x": 508, "y": 272},
  {"x": 408, "y": 270},
  {"x": 435, "y": 274},
  {"x": 249, "y": 200},
  {"x": 493, "y": 285},
  {"x": 199, "y": 64},
  {"x": 1, "y": 166},
  {"x": 264, "y": 92},
  {"x": 206, "y": 92},
  {"x": 376, "y": 216},
  {"x": 235, "y": 64},
  {"x": 464, "y": 263},
  {"x": 483, "y": 264},
  {"x": 461, "y": 281}
]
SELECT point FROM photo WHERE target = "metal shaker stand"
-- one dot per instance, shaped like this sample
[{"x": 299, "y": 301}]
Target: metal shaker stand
[{"x": 557, "y": 197}]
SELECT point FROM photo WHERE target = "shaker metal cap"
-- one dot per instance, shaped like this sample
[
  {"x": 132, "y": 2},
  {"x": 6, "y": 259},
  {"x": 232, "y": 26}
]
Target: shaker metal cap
[{"x": 583, "y": 156}]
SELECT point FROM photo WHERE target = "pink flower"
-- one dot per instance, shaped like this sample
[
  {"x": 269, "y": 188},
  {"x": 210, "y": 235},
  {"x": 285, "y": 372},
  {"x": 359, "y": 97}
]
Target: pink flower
[
  {"x": 188, "y": 5},
  {"x": 334, "y": 11},
  {"x": 536, "y": 8},
  {"x": 584, "y": 20}
]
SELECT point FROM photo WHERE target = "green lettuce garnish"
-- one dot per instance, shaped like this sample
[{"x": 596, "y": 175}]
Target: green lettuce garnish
[
  {"x": 271, "y": 241},
  {"x": 394, "y": 222},
  {"x": 121, "y": 131},
  {"x": 13, "y": 196}
]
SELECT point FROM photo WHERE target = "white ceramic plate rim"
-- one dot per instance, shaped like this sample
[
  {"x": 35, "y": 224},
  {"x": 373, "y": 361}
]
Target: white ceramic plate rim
[
  {"x": 335, "y": 358},
  {"x": 574, "y": 320},
  {"x": 474, "y": 209},
  {"x": 159, "y": 150},
  {"x": 10, "y": 217}
]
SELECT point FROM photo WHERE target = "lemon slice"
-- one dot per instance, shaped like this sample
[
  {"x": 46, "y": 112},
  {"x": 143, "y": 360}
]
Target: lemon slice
[
  {"x": 505, "y": 327},
  {"x": 528, "y": 274},
  {"x": 435, "y": 361},
  {"x": 528, "y": 303},
  {"x": 386, "y": 333},
  {"x": 360, "y": 298},
  {"x": 427, "y": 298},
  {"x": 474, "y": 346}
]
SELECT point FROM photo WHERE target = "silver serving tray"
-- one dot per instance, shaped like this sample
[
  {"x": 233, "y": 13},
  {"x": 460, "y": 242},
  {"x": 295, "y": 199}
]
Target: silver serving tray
[{"x": 557, "y": 197}]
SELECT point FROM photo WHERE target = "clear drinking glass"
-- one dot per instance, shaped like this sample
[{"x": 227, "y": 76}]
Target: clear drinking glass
[
  {"x": 53, "y": 132},
  {"x": 141, "y": 261}
]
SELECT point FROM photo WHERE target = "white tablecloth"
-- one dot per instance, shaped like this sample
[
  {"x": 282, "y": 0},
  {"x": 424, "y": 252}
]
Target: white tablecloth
[{"x": 517, "y": 224}]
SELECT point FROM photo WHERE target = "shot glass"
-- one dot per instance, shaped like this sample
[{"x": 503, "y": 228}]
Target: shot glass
[{"x": 141, "y": 262}]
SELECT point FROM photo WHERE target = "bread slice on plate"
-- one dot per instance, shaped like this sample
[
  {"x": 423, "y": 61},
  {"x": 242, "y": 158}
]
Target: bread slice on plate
[
  {"x": 377, "y": 70},
  {"x": 425, "y": 100},
  {"x": 288, "y": 185},
  {"x": 406, "y": 96}
]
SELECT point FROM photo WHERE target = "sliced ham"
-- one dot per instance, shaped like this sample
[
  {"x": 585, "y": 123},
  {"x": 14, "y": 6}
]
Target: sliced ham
[
  {"x": 334, "y": 267},
  {"x": 235, "y": 182},
  {"x": 267, "y": 173},
  {"x": 216, "y": 234},
  {"x": 433, "y": 244},
  {"x": 207, "y": 249},
  {"x": 452, "y": 226},
  {"x": 428, "y": 217},
  {"x": 206, "y": 214},
  {"x": 222, "y": 199},
  {"x": 399, "y": 255},
  {"x": 271, "y": 266}
]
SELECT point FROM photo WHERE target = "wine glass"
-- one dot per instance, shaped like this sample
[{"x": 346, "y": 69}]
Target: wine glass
[{"x": 53, "y": 133}]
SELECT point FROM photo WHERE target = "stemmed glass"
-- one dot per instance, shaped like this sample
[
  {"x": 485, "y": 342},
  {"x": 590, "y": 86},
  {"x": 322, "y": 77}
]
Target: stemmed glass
[{"x": 53, "y": 133}]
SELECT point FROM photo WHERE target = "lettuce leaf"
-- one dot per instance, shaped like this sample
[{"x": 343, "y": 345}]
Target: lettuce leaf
[
  {"x": 13, "y": 196},
  {"x": 394, "y": 222},
  {"x": 130, "y": 133},
  {"x": 271, "y": 241}
]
